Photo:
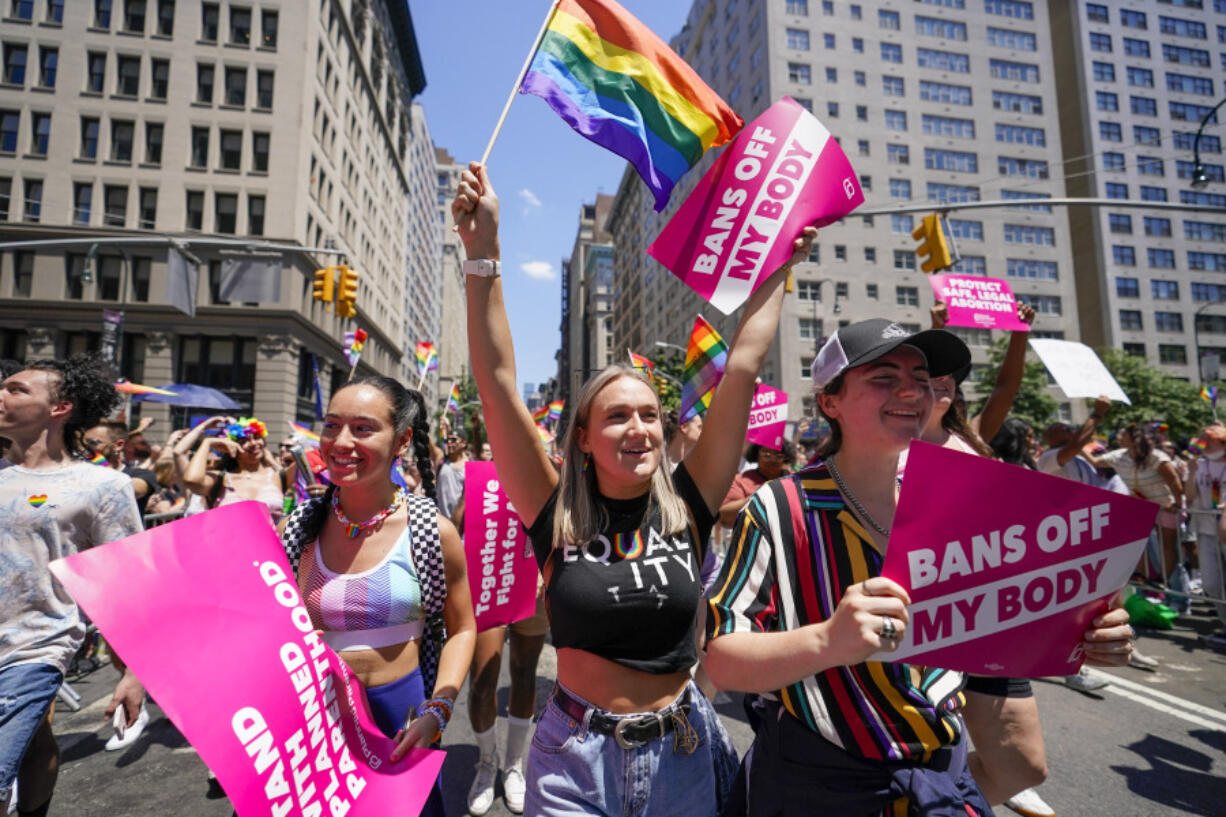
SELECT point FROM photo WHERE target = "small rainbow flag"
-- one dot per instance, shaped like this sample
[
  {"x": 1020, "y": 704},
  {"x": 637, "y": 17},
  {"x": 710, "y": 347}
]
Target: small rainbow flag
[
  {"x": 705, "y": 357},
  {"x": 427, "y": 357},
  {"x": 555, "y": 409},
  {"x": 545, "y": 435},
  {"x": 643, "y": 365},
  {"x": 304, "y": 432},
  {"x": 98, "y": 459},
  {"x": 1209, "y": 394},
  {"x": 354, "y": 341},
  {"x": 540, "y": 414},
  {"x": 615, "y": 82},
  {"x": 453, "y": 399},
  {"x": 1197, "y": 445}
]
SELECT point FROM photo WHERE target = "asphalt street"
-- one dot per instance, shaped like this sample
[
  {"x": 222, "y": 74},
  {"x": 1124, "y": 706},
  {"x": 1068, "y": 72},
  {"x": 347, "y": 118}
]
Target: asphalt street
[{"x": 1151, "y": 744}]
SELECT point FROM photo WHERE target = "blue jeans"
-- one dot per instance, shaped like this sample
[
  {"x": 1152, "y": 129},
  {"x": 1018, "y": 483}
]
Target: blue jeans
[
  {"x": 26, "y": 692},
  {"x": 574, "y": 771}
]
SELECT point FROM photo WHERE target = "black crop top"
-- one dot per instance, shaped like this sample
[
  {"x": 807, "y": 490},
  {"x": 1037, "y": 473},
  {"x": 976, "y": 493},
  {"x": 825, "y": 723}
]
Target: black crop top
[{"x": 631, "y": 594}]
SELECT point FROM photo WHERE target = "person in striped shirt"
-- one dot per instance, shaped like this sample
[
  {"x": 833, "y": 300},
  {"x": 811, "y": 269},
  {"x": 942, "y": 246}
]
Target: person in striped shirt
[{"x": 800, "y": 608}]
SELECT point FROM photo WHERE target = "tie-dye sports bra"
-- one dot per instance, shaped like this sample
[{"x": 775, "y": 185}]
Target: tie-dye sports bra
[{"x": 376, "y": 608}]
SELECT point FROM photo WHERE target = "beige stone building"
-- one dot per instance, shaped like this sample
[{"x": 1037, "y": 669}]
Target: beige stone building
[
  {"x": 268, "y": 124},
  {"x": 587, "y": 300},
  {"x": 453, "y": 336}
]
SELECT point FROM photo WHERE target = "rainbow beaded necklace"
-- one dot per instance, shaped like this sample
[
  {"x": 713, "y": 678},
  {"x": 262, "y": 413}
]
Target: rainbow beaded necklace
[{"x": 354, "y": 529}]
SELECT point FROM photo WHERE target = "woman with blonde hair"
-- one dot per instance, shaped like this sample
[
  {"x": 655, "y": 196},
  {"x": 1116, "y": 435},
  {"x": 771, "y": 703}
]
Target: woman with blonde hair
[{"x": 619, "y": 540}]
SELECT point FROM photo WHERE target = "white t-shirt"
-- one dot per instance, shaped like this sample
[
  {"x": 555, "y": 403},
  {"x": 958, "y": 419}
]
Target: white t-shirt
[
  {"x": 47, "y": 514},
  {"x": 1077, "y": 468},
  {"x": 1207, "y": 473},
  {"x": 1143, "y": 480}
]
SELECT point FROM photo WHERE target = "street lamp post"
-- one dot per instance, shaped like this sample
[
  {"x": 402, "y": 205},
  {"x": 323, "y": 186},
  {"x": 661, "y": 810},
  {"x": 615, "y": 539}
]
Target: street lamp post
[
  {"x": 1200, "y": 366},
  {"x": 1200, "y": 179}
]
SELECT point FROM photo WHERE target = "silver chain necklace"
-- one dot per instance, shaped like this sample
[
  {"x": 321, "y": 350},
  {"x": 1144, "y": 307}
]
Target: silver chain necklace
[{"x": 855, "y": 503}]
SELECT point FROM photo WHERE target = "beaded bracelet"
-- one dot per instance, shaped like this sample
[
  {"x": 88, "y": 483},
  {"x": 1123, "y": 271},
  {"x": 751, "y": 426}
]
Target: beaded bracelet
[{"x": 440, "y": 708}]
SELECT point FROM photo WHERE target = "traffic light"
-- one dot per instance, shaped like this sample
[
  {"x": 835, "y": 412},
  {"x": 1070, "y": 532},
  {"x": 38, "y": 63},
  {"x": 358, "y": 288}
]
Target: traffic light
[
  {"x": 347, "y": 293},
  {"x": 325, "y": 284},
  {"x": 934, "y": 246}
]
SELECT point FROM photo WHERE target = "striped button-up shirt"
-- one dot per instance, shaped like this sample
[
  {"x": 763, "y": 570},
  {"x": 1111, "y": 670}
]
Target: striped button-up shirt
[{"x": 795, "y": 549}]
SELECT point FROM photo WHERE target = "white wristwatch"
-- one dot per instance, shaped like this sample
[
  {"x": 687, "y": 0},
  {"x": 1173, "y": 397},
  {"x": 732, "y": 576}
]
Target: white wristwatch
[{"x": 482, "y": 268}]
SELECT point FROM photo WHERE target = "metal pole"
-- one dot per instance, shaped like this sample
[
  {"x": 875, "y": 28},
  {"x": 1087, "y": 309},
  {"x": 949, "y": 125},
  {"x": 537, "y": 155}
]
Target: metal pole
[{"x": 1199, "y": 179}]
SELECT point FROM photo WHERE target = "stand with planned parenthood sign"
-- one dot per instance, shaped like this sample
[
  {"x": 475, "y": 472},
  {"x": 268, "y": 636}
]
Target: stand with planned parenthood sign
[
  {"x": 207, "y": 613},
  {"x": 972, "y": 300},
  {"x": 768, "y": 417},
  {"x": 783, "y": 172},
  {"x": 1006, "y": 567},
  {"x": 502, "y": 572}
]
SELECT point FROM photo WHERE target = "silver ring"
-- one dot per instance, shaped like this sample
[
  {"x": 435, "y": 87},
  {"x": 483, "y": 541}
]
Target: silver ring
[{"x": 887, "y": 628}]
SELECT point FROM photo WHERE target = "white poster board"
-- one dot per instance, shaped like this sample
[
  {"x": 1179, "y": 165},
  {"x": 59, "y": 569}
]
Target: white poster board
[{"x": 1078, "y": 371}]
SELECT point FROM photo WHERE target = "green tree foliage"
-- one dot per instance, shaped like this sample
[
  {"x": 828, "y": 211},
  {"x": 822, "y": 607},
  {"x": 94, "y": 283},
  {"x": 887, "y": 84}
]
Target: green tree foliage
[
  {"x": 1033, "y": 403},
  {"x": 1156, "y": 397},
  {"x": 669, "y": 375}
]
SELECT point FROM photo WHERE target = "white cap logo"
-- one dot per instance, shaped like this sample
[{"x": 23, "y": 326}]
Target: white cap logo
[{"x": 894, "y": 331}]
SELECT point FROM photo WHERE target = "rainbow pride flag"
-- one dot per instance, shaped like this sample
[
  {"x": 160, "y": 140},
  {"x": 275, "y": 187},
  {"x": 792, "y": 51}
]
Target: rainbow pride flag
[
  {"x": 705, "y": 356},
  {"x": 453, "y": 399},
  {"x": 643, "y": 365},
  {"x": 98, "y": 459},
  {"x": 540, "y": 414},
  {"x": 555, "y": 409},
  {"x": 615, "y": 82},
  {"x": 304, "y": 433},
  {"x": 354, "y": 341},
  {"x": 545, "y": 434},
  {"x": 1209, "y": 394},
  {"x": 427, "y": 357}
]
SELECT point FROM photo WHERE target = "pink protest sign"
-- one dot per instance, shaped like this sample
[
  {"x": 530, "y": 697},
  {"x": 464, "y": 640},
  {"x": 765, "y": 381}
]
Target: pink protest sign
[
  {"x": 984, "y": 303},
  {"x": 208, "y": 615},
  {"x": 1006, "y": 567},
  {"x": 782, "y": 173},
  {"x": 768, "y": 417},
  {"x": 502, "y": 573}
]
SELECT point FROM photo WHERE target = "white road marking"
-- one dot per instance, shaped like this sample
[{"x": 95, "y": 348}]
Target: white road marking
[
  {"x": 1152, "y": 697},
  {"x": 1161, "y": 707}
]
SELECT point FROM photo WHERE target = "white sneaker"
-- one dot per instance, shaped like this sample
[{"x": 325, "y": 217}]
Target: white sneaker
[
  {"x": 1028, "y": 803},
  {"x": 1082, "y": 682},
  {"x": 513, "y": 788},
  {"x": 1139, "y": 661},
  {"x": 125, "y": 735},
  {"x": 481, "y": 792}
]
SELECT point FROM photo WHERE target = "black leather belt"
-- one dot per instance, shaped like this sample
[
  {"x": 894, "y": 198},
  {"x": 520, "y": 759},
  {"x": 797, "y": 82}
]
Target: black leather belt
[{"x": 629, "y": 731}]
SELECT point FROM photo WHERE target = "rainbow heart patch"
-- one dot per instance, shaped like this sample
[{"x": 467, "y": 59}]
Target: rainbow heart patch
[{"x": 37, "y": 500}]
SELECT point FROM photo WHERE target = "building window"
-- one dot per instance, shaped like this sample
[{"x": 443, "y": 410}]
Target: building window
[
  {"x": 1119, "y": 223},
  {"x": 904, "y": 260},
  {"x": 799, "y": 8},
  {"x": 1150, "y": 166},
  {"x": 40, "y": 133},
  {"x": 200, "y": 147},
  {"x": 896, "y": 120},
  {"x": 1017, "y": 103},
  {"x": 1127, "y": 287},
  {"x": 1186, "y": 56},
  {"x": 1017, "y": 9},
  {"x": 900, "y": 189},
  {"x": 798, "y": 39},
  {"x": 6, "y": 195},
  {"x": 951, "y": 192},
  {"x": 1143, "y": 105},
  {"x": 1113, "y": 161},
  {"x": 1182, "y": 28},
  {"x": 941, "y": 92},
  {"x": 166, "y": 17},
  {"x": 1106, "y": 101},
  {"x": 48, "y": 63},
  {"x": 1140, "y": 77},
  {"x": 255, "y": 215},
  {"x": 832, "y": 110},
  {"x": 268, "y": 28},
  {"x": 225, "y": 212},
  {"x": 195, "y": 210},
  {"x": 123, "y": 133},
  {"x": 1030, "y": 168},
  {"x": 1029, "y": 268},
  {"x": 1133, "y": 349},
  {"x": 861, "y": 113},
  {"x": 891, "y": 52},
  {"x": 236, "y": 85},
  {"x": 1208, "y": 292},
  {"x": 1014, "y": 71},
  {"x": 857, "y": 45},
  {"x": 1116, "y": 190},
  {"x": 943, "y": 60},
  {"x": 1143, "y": 135},
  {"x": 263, "y": 89},
  {"x": 22, "y": 9},
  {"x": 15, "y": 57},
  {"x": 204, "y": 83},
  {"x": 1123, "y": 256},
  {"x": 160, "y": 72},
  {"x": 870, "y": 291},
  {"x": 898, "y": 154},
  {"x": 810, "y": 329},
  {"x": 1028, "y": 234},
  {"x": 1149, "y": 193},
  {"x": 1100, "y": 42},
  {"x": 1207, "y": 261},
  {"x": 148, "y": 208},
  {"x": 1136, "y": 48},
  {"x": 1164, "y": 290},
  {"x": 832, "y": 75},
  {"x": 1173, "y": 354},
  {"x": 906, "y": 296},
  {"x": 23, "y": 273},
  {"x": 951, "y": 160},
  {"x": 89, "y": 137},
  {"x": 828, "y": 41},
  {"x": 1185, "y": 84},
  {"x": 893, "y": 86},
  {"x": 1110, "y": 132},
  {"x": 259, "y": 151},
  {"x": 134, "y": 16},
  {"x": 115, "y": 204},
  {"x": 102, "y": 13},
  {"x": 1104, "y": 72},
  {"x": 1015, "y": 40},
  {"x": 153, "y": 143},
  {"x": 209, "y": 17},
  {"x": 127, "y": 79},
  {"x": 965, "y": 229},
  {"x": 799, "y": 73},
  {"x": 231, "y": 149},
  {"x": 97, "y": 72},
  {"x": 1133, "y": 19},
  {"x": 1161, "y": 227},
  {"x": 1202, "y": 231},
  {"x": 82, "y": 200},
  {"x": 240, "y": 25},
  {"x": 890, "y": 20},
  {"x": 1043, "y": 304},
  {"x": 1096, "y": 13},
  {"x": 938, "y": 27},
  {"x": 1168, "y": 321}
]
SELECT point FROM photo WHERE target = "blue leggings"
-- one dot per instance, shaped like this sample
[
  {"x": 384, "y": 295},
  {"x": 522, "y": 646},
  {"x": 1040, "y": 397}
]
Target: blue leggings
[{"x": 389, "y": 704}]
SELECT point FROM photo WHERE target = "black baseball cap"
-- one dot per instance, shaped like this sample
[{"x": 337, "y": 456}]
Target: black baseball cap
[{"x": 865, "y": 341}]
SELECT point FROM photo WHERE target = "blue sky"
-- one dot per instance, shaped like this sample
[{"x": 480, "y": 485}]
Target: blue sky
[{"x": 542, "y": 170}]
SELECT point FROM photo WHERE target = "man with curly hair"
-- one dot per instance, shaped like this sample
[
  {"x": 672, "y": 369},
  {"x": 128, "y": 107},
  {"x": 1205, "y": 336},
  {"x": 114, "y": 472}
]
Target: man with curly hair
[{"x": 53, "y": 503}]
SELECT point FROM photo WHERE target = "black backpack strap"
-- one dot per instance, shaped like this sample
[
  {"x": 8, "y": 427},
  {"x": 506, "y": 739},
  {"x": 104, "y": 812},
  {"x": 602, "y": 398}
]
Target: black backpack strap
[
  {"x": 303, "y": 525},
  {"x": 427, "y": 550}
]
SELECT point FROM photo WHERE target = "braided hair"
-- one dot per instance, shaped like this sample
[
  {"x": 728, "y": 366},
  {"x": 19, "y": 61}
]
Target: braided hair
[
  {"x": 85, "y": 381},
  {"x": 408, "y": 412}
]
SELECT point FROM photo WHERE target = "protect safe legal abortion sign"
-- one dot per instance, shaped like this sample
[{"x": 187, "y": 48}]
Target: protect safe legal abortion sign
[
  {"x": 984, "y": 303},
  {"x": 1006, "y": 567},
  {"x": 502, "y": 572},
  {"x": 207, "y": 613},
  {"x": 768, "y": 417},
  {"x": 783, "y": 172}
]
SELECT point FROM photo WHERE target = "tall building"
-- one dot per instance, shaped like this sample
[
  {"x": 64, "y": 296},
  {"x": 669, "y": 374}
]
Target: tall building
[
  {"x": 128, "y": 125},
  {"x": 587, "y": 302},
  {"x": 424, "y": 273},
  {"x": 934, "y": 103},
  {"x": 1140, "y": 79},
  {"x": 453, "y": 338}
]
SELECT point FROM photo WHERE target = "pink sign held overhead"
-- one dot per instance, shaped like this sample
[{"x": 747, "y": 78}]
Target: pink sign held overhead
[
  {"x": 984, "y": 303},
  {"x": 502, "y": 572},
  {"x": 1006, "y": 567},
  {"x": 768, "y": 417},
  {"x": 208, "y": 615},
  {"x": 783, "y": 172}
]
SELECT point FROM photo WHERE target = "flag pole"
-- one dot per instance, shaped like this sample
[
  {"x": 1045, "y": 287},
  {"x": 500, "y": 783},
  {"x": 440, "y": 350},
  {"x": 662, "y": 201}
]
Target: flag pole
[
  {"x": 540, "y": 35},
  {"x": 422, "y": 380}
]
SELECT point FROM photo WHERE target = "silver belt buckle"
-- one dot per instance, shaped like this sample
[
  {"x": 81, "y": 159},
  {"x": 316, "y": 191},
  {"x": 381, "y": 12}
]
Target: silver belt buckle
[{"x": 625, "y": 742}]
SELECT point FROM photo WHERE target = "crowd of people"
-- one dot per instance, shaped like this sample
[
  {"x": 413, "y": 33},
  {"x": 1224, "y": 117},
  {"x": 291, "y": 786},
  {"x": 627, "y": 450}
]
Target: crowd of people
[{"x": 674, "y": 562}]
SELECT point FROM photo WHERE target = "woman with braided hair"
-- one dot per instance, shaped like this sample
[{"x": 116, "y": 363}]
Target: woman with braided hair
[{"x": 382, "y": 573}]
